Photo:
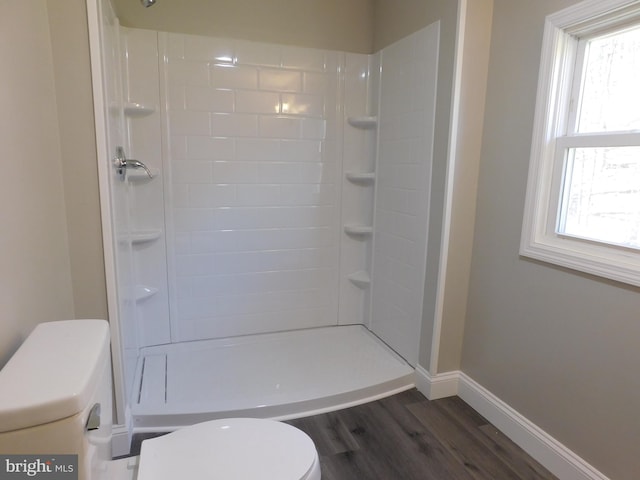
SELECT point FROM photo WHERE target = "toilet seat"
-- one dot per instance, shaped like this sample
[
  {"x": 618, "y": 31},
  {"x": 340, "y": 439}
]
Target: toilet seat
[{"x": 231, "y": 449}]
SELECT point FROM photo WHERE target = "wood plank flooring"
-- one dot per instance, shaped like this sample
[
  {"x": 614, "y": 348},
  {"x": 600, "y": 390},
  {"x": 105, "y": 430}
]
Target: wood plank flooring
[{"x": 407, "y": 437}]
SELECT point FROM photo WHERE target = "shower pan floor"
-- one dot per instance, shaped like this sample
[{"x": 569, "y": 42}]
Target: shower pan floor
[{"x": 277, "y": 375}]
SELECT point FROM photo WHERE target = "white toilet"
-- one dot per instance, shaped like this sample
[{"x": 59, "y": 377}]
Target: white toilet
[{"x": 56, "y": 399}]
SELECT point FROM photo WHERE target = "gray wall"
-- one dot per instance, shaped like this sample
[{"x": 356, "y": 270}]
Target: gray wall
[
  {"x": 393, "y": 20},
  {"x": 74, "y": 97},
  {"x": 35, "y": 273},
  {"x": 51, "y": 265},
  {"x": 464, "y": 160},
  {"x": 326, "y": 24},
  {"x": 559, "y": 347}
]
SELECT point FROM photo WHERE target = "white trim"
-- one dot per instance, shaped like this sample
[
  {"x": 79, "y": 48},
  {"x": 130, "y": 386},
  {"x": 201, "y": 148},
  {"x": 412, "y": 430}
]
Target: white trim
[
  {"x": 120, "y": 441},
  {"x": 598, "y": 140},
  {"x": 449, "y": 186},
  {"x": 558, "y": 459},
  {"x": 438, "y": 386},
  {"x": 592, "y": 14},
  {"x": 94, "y": 19},
  {"x": 553, "y": 455},
  {"x": 368, "y": 320}
]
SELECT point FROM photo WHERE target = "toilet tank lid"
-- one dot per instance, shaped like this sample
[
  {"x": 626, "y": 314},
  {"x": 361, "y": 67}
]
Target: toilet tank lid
[{"x": 54, "y": 373}]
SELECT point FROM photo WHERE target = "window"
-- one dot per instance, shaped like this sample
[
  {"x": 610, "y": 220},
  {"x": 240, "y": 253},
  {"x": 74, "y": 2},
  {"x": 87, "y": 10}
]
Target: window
[{"x": 583, "y": 194}]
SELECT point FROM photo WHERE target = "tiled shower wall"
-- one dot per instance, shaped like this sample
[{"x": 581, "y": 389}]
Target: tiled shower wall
[
  {"x": 254, "y": 177},
  {"x": 255, "y": 180},
  {"x": 406, "y": 117}
]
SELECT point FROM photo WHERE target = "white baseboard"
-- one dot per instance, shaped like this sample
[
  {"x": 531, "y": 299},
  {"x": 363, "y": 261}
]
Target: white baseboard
[
  {"x": 120, "y": 441},
  {"x": 441, "y": 386},
  {"x": 557, "y": 458}
]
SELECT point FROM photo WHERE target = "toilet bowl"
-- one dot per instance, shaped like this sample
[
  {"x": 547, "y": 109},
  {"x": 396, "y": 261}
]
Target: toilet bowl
[
  {"x": 56, "y": 400},
  {"x": 237, "y": 448}
]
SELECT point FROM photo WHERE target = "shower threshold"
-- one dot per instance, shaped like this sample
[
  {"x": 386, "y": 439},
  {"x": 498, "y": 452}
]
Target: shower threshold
[{"x": 281, "y": 375}]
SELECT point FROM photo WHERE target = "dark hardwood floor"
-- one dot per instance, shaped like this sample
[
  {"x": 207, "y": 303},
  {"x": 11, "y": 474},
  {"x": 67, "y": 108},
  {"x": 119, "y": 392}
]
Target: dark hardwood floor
[{"x": 407, "y": 437}]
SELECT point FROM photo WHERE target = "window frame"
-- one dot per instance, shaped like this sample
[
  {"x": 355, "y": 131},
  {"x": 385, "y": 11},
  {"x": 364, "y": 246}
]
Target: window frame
[{"x": 550, "y": 141}]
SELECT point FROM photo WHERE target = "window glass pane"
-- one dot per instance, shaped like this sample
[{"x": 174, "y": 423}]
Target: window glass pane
[
  {"x": 610, "y": 98},
  {"x": 602, "y": 195}
]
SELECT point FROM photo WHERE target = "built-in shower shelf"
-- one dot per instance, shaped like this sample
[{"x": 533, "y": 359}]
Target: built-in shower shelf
[
  {"x": 358, "y": 230},
  {"x": 143, "y": 292},
  {"x": 140, "y": 237},
  {"x": 132, "y": 110},
  {"x": 360, "y": 279},
  {"x": 361, "y": 178},
  {"x": 365, "y": 122}
]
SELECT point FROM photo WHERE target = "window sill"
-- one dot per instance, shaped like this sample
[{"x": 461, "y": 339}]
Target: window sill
[{"x": 621, "y": 265}]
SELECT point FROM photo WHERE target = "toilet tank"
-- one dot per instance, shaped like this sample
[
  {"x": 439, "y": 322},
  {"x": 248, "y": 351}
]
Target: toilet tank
[{"x": 55, "y": 395}]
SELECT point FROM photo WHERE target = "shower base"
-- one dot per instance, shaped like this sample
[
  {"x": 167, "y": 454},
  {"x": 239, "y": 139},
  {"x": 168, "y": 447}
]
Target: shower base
[{"x": 277, "y": 375}]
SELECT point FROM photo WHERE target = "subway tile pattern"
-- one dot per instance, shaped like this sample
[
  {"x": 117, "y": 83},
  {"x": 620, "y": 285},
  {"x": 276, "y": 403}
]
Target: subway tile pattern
[
  {"x": 253, "y": 174},
  {"x": 406, "y": 113}
]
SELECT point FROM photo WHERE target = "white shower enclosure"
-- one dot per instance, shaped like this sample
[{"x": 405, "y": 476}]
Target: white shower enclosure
[{"x": 285, "y": 189}]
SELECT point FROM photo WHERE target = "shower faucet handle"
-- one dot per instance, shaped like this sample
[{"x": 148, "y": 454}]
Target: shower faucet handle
[
  {"x": 130, "y": 163},
  {"x": 121, "y": 163}
]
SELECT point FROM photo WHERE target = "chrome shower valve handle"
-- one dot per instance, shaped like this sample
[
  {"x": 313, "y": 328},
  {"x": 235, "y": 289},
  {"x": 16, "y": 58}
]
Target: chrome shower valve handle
[
  {"x": 130, "y": 163},
  {"x": 121, "y": 163}
]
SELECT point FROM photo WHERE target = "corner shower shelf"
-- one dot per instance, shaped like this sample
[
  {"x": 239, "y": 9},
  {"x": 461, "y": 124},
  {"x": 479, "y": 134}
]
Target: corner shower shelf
[
  {"x": 360, "y": 279},
  {"x": 358, "y": 230},
  {"x": 142, "y": 292},
  {"x": 364, "y": 178},
  {"x": 141, "y": 236},
  {"x": 133, "y": 110},
  {"x": 365, "y": 122}
]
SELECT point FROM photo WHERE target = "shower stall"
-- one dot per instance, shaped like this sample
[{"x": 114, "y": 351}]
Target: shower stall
[{"x": 265, "y": 212}]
